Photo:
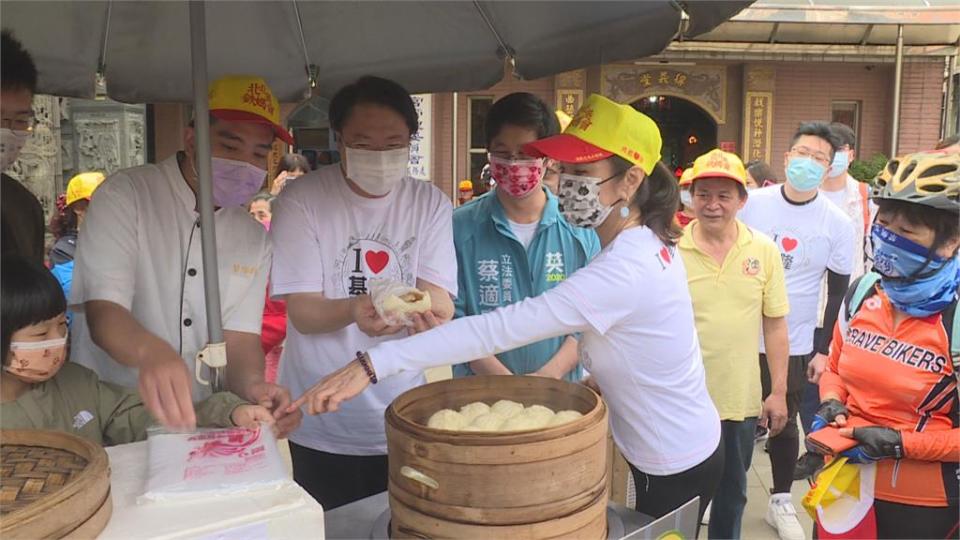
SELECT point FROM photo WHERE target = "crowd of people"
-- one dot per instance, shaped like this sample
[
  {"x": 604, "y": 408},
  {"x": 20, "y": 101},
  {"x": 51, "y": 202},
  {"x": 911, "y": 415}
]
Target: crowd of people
[{"x": 704, "y": 311}]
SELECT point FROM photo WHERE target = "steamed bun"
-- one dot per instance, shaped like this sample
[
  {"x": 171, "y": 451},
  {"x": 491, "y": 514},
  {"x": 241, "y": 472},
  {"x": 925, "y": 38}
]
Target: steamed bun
[
  {"x": 486, "y": 422},
  {"x": 564, "y": 417},
  {"x": 447, "y": 419},
  {"x": 539, "y": 415},
  {"x": 414, "y": 301},
  {"x": 520, "y": 422},
  {"x": 472, "y": 410},
  {"x": 506, "y": 408}
]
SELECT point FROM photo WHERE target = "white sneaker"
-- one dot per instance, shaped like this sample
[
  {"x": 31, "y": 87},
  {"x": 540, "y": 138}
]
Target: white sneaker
[
  {"x": 782, "y": 516},
  {"x": 706, "y": 515}
]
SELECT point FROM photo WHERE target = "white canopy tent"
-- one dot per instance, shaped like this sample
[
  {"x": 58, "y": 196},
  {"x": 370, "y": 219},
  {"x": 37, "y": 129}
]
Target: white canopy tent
[{"x": 165, "y": 51}]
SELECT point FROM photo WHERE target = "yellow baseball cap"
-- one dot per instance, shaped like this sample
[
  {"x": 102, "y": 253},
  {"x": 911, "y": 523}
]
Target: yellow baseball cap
[
  {"x": 717, "y": 164},
  {"x": 82, "y": 186},
  {"x": 245, "y": 98},
  {"x": 603, "y": 128},
  {"x": 687, "y": 177},
  {"x": 466, "y": 185}
]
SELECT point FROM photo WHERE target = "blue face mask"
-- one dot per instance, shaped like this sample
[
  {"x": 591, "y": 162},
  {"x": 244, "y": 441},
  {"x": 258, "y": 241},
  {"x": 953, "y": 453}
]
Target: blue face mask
[
  {"x": 841, "y": 162},
  {"x": 918, "y": 283},
  {"x": 805, "y": 174}
]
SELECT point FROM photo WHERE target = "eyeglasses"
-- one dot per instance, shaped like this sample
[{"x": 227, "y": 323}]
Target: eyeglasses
[
  {"x": 818, "y": 156},
  {"x": 22, "y": 123}
]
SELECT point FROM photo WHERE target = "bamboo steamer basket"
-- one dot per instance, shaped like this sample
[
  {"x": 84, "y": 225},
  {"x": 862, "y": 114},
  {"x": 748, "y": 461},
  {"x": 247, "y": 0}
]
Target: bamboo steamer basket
[
  {"x": 544, "y": 483},
  {"x": 54, "y": 485},
  {"x": 590, "y": 522}
]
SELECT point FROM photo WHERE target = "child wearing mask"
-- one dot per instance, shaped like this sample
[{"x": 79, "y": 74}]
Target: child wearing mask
[{"x": 39, "y": 389}]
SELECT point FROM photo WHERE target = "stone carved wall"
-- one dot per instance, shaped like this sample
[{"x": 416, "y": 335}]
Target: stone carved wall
[
  {"x": 136, "y": 138},
  {"x": 73, "y": 135},
  {"x": 98, "y": 144},
  {"x": 104, "y": 136},
  {"x": 39, "y": 166}
]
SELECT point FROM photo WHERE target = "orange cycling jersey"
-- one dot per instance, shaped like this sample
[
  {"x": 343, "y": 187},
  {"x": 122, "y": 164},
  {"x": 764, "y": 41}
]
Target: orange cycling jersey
[{"x": 901, "y": 377}]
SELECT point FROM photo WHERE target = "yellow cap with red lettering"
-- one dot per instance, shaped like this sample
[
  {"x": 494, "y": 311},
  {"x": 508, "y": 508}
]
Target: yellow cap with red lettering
[
  {"x": 717, "y": 164},
  {"x": 245, "y": 98},
  {"x": 600, "y": 129}
]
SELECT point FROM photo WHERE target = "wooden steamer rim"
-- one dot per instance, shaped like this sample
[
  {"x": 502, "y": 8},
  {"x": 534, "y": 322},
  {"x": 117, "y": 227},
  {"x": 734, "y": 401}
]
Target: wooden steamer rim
[
  {"x": 81, "y": 504},
  {"x": 441, "y": 500},
  {"x": 409, "y": 412}
]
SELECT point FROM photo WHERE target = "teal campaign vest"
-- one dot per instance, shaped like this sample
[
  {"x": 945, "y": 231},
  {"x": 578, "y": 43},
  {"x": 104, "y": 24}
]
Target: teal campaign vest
[{"x": 495, "y": 270}]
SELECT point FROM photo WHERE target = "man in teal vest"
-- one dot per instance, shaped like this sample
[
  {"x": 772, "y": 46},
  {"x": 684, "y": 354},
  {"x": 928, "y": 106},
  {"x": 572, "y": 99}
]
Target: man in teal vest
[{"x": 513, "y": 243}]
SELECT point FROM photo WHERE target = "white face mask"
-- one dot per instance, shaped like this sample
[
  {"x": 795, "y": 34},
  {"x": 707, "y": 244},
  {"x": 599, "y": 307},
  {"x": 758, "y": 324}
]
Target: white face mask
[
  {"x": 377, "y": 171},
  {"x": 686, "y": 198},
  {"x": 11, "y": 143}
]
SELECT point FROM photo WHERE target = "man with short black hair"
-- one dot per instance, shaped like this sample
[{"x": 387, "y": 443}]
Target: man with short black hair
[
  {"x": 335, "y": 229},
  {"x": 20, "y": 212},
  {"x": 138, "y": 292},
  {"x": 815, "y": 238},
  {"x": 852, "y": 197},
  {"x": 848, "y": 194},
  {"x": 512, "y": 243}
]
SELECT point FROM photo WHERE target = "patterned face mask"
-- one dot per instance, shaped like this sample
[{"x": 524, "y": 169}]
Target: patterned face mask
[
  {"x": 37, "y": 361},
  {"x": 580, "y": 200},
  {"x": 517, "y": 177}
]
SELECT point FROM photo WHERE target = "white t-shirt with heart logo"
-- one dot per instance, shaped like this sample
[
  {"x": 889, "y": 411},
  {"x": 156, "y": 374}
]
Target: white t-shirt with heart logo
[
  {"x": 812, "y": 238},
  {"x": 330, "y": 240}
]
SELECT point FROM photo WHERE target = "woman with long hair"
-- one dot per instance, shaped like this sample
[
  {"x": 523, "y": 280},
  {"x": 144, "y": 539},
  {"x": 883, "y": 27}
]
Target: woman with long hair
[{"x": 631, "y": 304}]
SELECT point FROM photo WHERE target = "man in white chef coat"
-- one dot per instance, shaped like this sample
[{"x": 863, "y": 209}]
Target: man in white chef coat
[{"x": 138, "y": 283}]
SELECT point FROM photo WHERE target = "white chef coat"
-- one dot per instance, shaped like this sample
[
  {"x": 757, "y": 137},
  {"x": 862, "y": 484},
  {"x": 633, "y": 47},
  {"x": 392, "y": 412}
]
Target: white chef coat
[{"x": 140, "y": 248}]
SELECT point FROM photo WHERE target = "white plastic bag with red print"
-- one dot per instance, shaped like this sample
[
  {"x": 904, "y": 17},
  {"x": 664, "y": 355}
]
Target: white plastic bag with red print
[{"x": 211, "y": 462}]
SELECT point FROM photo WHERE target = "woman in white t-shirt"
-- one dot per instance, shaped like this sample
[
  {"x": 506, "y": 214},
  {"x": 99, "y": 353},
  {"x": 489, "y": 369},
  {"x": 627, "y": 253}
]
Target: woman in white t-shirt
[{"x": 631, "y": 304}]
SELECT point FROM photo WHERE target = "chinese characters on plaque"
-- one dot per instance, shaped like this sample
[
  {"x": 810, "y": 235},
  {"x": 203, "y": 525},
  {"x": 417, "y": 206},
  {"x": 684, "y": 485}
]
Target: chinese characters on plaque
[
  {"x": 421, "y": 159},
  {"x": 758, "y": 115}
]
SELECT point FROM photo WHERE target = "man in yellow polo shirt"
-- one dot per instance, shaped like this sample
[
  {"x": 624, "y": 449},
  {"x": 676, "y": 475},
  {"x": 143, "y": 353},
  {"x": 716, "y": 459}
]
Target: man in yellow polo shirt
[{"x": 737, "y": 285}]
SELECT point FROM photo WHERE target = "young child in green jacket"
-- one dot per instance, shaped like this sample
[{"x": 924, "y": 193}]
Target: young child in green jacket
[{"x": 39, "y": 389}]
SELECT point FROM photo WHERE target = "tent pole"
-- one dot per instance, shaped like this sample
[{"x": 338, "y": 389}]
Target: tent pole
[
  {"x": 951, "y": 124},
  {"x": 948, "y": 123},
  {"x": 453, "y": 161},
  {"x": 208, "y": 236},
  {"x": 897, "y": 80}
]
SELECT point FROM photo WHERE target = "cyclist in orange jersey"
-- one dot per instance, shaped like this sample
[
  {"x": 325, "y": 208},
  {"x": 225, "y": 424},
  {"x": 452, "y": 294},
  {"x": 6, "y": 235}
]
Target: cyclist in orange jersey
[{"x": 890, "y": 364}]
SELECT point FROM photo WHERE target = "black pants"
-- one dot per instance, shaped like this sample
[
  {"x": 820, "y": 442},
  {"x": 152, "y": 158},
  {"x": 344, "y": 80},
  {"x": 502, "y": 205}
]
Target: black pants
[
  {"x": 786, "y": 445},
  {"x": 906, "y": 521},
  {"x": 657, "y": 496},
  {"x": 334, "y": 479},
  {"x": 903, "y": 521}
]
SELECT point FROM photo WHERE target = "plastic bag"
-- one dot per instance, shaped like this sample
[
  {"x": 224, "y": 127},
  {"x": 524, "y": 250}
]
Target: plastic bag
[
  {"x": 211, "y": 462},
  {"x": 395, "y": 302},
  {"x": 841, "y": 500}
]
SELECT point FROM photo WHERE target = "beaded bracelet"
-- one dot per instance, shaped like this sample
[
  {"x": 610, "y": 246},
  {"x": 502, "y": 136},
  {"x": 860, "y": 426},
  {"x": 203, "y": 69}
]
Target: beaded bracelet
[{"x": 365, "y": 363}]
